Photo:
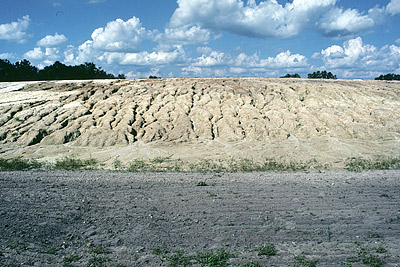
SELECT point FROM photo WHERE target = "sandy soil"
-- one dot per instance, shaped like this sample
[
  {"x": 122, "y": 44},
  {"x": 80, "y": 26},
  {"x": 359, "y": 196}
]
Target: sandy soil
[
  {"x": 110, "y": 218},
  {"x": 192, "y": 119}
]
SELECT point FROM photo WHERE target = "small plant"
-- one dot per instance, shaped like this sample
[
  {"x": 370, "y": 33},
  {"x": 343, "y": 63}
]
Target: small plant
[
  {"x": 99, "y": 250},
  {"x": 218, "y": 258},
  {"x": 179, "y": 258},
  {"x": 160, "y": 251},
  {"x": 367, "y": 256},
  {"x": 202, "y": 183},
  {"x": 160, "y": 160},
  {"x": 118, "y": 165},
  {"x": 302, "y": 260},
  {"x": 380, "y": 163},
  {"x": 139, "y": 165},
  {"x": 97, "y": 261},
  {"x": 267, "y": 249},
  {"x": 71, "y": 258}
]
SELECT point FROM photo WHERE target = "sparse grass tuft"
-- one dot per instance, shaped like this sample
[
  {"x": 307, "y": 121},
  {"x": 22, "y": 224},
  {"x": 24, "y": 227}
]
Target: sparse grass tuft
[
  {"x": 203, "y": 258},
  {"x": 267, "y": 249},
  {"x": 302, "y": 260},
  {"x": 98, "y": 261},
  {"x": 218, "y": 258},
  {"x": 179, "y": 258},
  {"x": 139, "y": 165},
  {"x": 18, "y": 164},
  {"x": 380, "y": 163}
]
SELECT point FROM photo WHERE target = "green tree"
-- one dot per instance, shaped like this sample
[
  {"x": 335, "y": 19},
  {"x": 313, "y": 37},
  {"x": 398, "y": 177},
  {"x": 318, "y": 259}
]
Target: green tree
[
  {"x": 321, "y": 75},
  {"x": 388, "y": 77},
  {"x": 291, "y": 76}
]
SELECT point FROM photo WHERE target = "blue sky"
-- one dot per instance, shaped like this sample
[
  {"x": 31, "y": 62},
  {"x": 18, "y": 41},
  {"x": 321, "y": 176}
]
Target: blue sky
[{"x": 206, "y": 38}]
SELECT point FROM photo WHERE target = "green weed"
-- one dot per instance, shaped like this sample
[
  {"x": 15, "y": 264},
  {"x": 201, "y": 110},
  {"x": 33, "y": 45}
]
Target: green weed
[
  {"x": 218, "y": 258},
  {"x": 380, "y": 163},
  {"x": 72, "y": 163},
  {"x": 302, "y": 260},
  {"x": 267, "y": 249},
  {"x": 203, "y": 258},
  {"x": 98, "y": 261},
  {"x": 18, "y": 164}
]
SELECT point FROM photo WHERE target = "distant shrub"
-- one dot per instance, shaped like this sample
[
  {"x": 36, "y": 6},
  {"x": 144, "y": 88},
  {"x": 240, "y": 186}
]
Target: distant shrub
[
  {"x": 291, "y": 76},
  {"x": 154, "y": 77},
  {"x": 321, "y": 75},
  {"x": 389, "y": 77},
  {"x": 18, "y": 164}
]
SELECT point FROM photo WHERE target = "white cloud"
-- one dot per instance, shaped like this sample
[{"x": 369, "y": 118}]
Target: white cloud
[
  {"x": 43, "y": 57},
  {"x": 214, "y": 58},
  {"x": 95, "y": 1},
  {"x": 269, "y": 18},
  {"x": 214, "y": 63},
  {"x": 356, "y": 57},
  {"x": 8, "y": 56},
  {"x": 185, "y": 35},
  {"x": 159, "y": 58},
  {"x": 398, "y": 41},
  {"x": 52, "y": 40},
  {"x": 35, "y": 54},
  {"x": 120, "y": 36},
  {"x": 338, "y": 22},
  {"x": 393, "y": 7},
  {"x": 285, "y": 60},
  {"x": 15, "y": 31}
]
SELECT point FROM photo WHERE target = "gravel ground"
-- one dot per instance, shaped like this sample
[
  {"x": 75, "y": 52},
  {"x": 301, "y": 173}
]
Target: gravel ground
[{"x": 102, "y": 218}]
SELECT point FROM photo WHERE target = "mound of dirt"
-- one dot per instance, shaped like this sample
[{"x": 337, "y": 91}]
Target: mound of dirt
[{"x": 293, "y": 119}]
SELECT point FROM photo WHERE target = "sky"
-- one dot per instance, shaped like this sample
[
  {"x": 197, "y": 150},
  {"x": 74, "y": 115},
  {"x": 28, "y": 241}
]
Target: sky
[{"x": 206, "y": 38}]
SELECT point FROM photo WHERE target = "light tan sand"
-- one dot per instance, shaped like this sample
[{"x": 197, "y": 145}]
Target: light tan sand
[{"x": 192, "y": 119}]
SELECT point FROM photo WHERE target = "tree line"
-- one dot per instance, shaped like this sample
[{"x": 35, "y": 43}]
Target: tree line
[
  {"x": 24, "y": 71},
  {"x": 389, "y": 77}
]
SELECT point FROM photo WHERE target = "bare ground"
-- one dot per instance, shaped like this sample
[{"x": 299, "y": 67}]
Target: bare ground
[{"x": 102, "y": 218}]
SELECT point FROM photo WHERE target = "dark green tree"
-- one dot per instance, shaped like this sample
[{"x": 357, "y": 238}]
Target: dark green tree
[
  {"x": 291, "y": 76},
  {"x": 388, "y": 77},
  {"x": 25, "y": 71},
  {"x": 321, "y": 75},
  {"x": 7, "y": 70}
]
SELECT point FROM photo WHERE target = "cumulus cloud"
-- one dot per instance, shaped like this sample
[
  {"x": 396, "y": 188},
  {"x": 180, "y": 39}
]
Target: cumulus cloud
[
  {"x": 47, "y": 56},
  {"x": 185, "y": 35},
  {"x": 270, "y": 19},
  {"x": 393, "y": 7},
  {"x": 15, "y": 31},
  {"x": 338, "y": 22},
  {"x": 355, "y": 57},
  {"x": 120, "y": 35},
  {"x": 212, "y": 62},
  {"x": 35, "y": 54},
  {"x": 8, "y": 56},
  {"x": 145, "y": 58},
  {"x": 211, "y": 59},
  {"x": 52, "y": 40}
]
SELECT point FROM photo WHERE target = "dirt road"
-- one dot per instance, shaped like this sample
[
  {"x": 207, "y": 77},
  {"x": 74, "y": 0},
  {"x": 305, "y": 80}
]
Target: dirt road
[{"x": 101, "y": 218}]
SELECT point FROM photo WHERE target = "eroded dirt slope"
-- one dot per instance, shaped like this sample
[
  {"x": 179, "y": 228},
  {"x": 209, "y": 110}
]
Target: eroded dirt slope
[{"x": 295, "y": 118}]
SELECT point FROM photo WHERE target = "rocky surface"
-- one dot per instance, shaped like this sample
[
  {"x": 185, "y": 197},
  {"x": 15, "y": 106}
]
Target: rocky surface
[{"x": 296, "y": 119}]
